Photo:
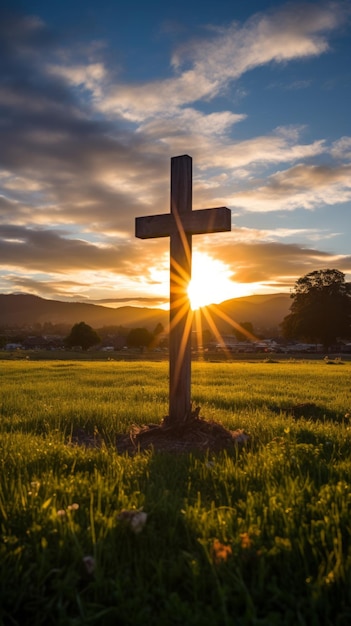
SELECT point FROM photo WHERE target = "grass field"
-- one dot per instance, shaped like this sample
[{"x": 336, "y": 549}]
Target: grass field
[{"x": 257, "y": 536}]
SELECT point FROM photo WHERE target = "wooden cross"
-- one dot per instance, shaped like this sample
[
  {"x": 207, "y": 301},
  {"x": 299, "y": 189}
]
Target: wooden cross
[{"x": 180, "y": 224}]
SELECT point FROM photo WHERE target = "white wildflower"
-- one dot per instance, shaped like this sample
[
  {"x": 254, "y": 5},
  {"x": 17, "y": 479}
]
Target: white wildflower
[
  {"x": 73, "y": 507},
  {"x": 89, "y": 564},
  {"x": 138, "y": 521},
  {"x": 135, "y": 519}
]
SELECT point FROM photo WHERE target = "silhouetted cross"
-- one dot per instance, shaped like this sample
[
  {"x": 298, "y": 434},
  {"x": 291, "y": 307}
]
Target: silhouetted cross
[{"x": 180, "y": 224}]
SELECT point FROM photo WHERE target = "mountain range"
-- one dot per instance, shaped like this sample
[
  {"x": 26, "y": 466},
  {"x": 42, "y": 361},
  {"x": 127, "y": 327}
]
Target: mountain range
[{"x": 265, "y": 312}]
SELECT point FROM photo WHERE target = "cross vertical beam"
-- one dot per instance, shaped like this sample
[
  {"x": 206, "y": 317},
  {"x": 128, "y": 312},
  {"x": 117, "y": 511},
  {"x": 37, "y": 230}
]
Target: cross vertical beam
[
  {"x": 180, "y": 224},
  {"x": 180, "y": 276}
]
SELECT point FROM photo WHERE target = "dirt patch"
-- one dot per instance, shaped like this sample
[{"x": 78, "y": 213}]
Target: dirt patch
[
  {"x": 194, "y": 434},
  {"x": 305, "y": 409}
]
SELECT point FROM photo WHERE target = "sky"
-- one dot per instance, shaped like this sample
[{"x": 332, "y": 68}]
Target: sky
[{"x": 95, "y": 99}]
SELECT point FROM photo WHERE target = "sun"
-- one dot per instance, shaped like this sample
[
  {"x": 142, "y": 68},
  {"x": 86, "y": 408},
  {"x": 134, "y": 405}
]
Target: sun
[{"x": 211, "y": 281}]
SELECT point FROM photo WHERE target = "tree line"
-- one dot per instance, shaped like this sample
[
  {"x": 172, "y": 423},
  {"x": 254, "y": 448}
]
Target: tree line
[{"x": 86, "y": 337}]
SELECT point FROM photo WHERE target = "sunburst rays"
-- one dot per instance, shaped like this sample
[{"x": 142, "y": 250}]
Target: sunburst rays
[{"x": 190, "y": 320}]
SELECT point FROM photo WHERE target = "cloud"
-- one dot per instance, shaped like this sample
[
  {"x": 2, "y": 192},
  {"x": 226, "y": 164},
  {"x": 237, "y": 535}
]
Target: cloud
[
  {"x": 205, "y": 67},
  {"x": 96, "y": 171},
  {"x": 255, "y": 235},
  {"x": 90, "y": 76},
  {"x": 341, "y": 149},
  {"x": 279, "y": 147},
  {"x": 36, "y": 249},
  {"x": 276, "y": 263},
  {"x": 51, "y": 288},
  {"x": 305, "y": 186}
]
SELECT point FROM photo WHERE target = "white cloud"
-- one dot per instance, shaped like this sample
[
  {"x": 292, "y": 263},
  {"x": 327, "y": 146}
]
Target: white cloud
[
  {"x": 90, "y": 76},
  {"x": 293, "y": 32},
  {"x": 253, "y": 235},
  {"x": 302, "y": 186},
  {"x": 341, "y": 149},
  {"x": 190, "y": 120},
  {"x": 20, "y": 183},
  {"x": 274, "y": 148}
]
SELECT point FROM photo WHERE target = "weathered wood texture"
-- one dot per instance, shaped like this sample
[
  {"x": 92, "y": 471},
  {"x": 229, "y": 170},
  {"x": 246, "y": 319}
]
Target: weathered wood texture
[
  {"x": 180, "y": 224},
  {"x": 180, "y": 313}
]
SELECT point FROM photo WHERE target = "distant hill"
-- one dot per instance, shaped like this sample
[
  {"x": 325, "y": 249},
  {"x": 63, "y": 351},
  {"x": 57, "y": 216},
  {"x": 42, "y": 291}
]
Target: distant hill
[
  {"x": 265, "y": 312},
  {"x": 25, "y": 309}
]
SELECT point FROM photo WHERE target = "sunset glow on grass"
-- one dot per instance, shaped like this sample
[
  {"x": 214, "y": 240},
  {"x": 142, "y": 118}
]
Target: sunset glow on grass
[{"x": 81, "y": 518}]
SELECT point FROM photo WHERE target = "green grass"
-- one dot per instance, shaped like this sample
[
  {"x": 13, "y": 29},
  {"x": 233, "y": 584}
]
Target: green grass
[{"x": 259, "y": 536}]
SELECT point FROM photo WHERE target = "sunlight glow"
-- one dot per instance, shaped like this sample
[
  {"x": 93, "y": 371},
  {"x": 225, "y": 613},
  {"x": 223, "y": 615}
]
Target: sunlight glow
[{"x": 211, "y": 282}]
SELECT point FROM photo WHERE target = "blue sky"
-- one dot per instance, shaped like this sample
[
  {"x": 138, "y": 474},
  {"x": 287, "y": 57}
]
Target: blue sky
[{"x": 95, "y": 98}]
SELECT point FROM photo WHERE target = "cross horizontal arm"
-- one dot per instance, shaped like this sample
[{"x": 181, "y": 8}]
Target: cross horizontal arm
[{"x": 195, "y": 223}]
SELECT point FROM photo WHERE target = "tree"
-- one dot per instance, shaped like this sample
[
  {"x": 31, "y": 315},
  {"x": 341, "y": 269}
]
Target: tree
[
  {"x": 321, "y": 308},
  {"x": 82, "y": 335},
  {"x": 139, "y": 338},
  {"x": 157, "y": 336},
  {"x": 158, "y": 330}
]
